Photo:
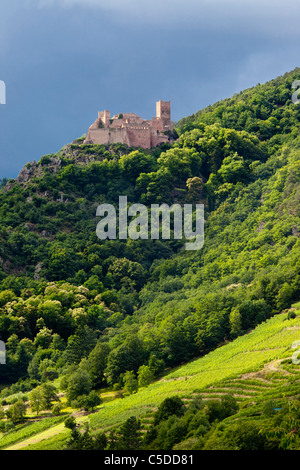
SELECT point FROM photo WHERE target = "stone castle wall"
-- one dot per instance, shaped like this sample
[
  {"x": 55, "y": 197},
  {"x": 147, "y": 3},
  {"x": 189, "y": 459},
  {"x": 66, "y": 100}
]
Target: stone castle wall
[{"x": 108, "y": 136}]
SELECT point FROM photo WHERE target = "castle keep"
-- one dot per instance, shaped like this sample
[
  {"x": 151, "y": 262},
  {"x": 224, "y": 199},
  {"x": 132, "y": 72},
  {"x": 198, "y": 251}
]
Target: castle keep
[{"x": 131, "y": 129}]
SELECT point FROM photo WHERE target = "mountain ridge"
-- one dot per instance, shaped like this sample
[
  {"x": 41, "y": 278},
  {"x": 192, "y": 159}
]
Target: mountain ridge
[{"x": 120, "y": 312}]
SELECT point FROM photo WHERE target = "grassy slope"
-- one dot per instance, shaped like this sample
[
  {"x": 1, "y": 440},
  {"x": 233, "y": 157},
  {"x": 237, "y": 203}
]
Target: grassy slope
[{"x": 250, "y": 367}]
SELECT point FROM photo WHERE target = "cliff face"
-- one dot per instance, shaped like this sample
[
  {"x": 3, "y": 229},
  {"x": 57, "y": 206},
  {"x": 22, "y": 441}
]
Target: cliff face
[
  {"x": 35, "y": 169},
  {"x": 71, "y": 154}
]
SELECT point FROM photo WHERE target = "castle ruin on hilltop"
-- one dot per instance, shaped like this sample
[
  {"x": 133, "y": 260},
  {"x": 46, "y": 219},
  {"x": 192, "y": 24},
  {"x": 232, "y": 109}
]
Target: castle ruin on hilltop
[{"x": 131, "y": 129}]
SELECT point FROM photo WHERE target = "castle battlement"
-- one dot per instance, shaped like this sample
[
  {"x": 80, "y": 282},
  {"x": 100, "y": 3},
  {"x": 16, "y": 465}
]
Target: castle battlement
[{"x": 131, "y": 129}]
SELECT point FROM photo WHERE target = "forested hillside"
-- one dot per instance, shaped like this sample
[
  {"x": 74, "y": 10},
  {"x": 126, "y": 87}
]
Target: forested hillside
[{"x": 117, "y": 313}]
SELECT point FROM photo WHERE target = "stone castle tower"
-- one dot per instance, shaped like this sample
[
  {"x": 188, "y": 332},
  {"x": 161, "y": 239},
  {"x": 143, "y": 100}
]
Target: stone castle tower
[{"x": 131, "y": 129}]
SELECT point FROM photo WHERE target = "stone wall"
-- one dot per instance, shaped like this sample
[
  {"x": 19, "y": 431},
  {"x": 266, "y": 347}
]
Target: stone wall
[
  {"x": 139, "y": 137},
  {"x": 108, "y": 136}
]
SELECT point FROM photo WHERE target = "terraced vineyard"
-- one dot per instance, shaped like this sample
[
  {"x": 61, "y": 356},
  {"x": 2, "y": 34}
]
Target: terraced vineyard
[{"x": 254, "y": 368}]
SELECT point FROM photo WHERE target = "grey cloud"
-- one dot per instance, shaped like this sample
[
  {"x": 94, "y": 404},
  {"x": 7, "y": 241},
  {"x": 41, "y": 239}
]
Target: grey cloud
[{"x": 266, "y": 17}]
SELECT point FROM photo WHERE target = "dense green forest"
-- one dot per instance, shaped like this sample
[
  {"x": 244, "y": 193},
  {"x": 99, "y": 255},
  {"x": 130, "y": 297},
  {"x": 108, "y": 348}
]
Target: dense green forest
[{"x": 116, "y": 314}]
